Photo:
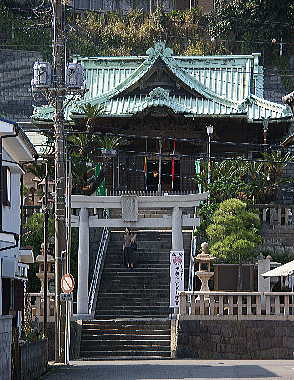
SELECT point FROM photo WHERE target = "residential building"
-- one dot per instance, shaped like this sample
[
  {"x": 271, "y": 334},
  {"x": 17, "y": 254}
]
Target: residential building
[{"x": 16, "y": 149}]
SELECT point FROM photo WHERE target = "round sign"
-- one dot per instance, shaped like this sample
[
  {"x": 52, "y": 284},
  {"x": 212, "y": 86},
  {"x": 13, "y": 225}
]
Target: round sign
[{"x": 67, "y": 283}]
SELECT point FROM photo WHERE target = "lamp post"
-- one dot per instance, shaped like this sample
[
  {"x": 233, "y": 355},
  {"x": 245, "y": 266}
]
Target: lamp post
[
  {"x": 209, "y": 130},
  {"x": 265, "y": 123}
]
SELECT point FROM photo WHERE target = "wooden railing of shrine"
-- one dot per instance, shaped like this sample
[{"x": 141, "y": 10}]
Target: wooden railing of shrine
[
  {"x": 148, "y": 193},
  {"x": 236, "y": 305}
]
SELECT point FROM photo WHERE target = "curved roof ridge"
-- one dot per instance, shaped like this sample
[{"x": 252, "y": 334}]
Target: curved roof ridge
[
  {"x": 273, "y": 106},
  {"x": 166, "y": 54}
]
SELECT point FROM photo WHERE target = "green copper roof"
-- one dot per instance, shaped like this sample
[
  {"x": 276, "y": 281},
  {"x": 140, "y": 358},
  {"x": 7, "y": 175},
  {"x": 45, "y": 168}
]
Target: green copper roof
[{"x": 217, "y": 85}]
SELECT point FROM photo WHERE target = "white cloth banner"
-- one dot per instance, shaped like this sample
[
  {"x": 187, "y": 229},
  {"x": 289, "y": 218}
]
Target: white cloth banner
[{"x": 176, "y": 276}]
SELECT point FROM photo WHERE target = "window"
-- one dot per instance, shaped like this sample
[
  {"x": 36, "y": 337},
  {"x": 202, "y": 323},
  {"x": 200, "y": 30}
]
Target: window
[{"x": 6, "y": 182}]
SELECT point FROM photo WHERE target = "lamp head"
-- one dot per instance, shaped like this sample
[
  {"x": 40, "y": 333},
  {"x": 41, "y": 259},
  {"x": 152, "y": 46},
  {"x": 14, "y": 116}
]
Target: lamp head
[{"x": 209, "y": 129}]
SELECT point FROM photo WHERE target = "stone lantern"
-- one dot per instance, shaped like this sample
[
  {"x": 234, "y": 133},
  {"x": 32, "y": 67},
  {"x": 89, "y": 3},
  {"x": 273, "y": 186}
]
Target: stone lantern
[
  {"x": 204, "y": 261},
  {"x": 50, "y": 270}
]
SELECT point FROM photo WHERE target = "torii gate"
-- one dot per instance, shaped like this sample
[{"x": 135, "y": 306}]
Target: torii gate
[{"x": 130, "y": 206}]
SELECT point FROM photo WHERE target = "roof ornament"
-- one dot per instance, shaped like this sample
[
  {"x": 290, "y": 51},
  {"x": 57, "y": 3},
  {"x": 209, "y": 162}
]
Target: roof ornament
[
  {"x": 243, "y": 106},
  {"x": 159, "y": 93},
  {"x": 159, "y": 49}
]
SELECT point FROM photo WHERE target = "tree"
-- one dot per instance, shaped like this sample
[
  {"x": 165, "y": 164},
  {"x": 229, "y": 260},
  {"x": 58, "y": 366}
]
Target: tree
[
  {"x": 85, "y": 149},
  {"x": 250, "y": 181},
  {"x": 33, "y": 237},
  {"x": 234, "y": 233},
  {"x": 256, "y": 181},
  {"x": 249, "y": 21}
]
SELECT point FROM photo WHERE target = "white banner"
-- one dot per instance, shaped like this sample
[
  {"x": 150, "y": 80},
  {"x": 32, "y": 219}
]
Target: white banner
[{"x": 176, "y": 276}]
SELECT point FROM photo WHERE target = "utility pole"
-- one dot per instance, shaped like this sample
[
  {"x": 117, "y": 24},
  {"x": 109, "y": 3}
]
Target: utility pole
[
  {"x": 45, "y": 242},
  {"x": 60, "y": 226},
  {"x": 56, "y": 83}
]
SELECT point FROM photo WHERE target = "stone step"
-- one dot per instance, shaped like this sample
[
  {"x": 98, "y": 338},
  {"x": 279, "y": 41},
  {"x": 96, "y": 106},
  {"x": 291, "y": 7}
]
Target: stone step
[
  {"x": 162, "y": 345},
  {"x": 129, "y": 316},
  {"x": 138, "y": 276},
  {"x": 112, "y": 333},
  {"x": 153, "y": 354},
  {"x": 136, "y": 308},
  {"x": 135, "y": 297},
  {"x": 123, "y": 337},
  {"x": 138, "y": 323},
  {"x": 147, "y": 294},
  {"x": 108, "y": 285}
]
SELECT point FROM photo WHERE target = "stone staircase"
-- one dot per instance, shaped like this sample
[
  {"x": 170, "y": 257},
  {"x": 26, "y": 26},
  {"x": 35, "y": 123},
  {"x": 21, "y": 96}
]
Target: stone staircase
[
  {"x": 132, "y": 311},
  {"x": 138, "y": 338}
]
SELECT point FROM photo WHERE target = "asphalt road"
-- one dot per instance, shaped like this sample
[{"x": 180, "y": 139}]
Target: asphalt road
[{"x": 173, "y": 370}]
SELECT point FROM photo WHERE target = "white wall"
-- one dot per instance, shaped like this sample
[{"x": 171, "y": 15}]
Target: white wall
[{"x": 11, "y": 214}]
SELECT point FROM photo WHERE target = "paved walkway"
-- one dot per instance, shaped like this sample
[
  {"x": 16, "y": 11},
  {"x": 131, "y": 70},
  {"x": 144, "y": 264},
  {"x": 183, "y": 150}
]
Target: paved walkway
[{"x": 174, "y": 369}]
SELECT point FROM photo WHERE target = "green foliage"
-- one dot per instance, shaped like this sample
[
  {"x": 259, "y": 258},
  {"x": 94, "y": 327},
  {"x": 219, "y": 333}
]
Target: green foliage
[
  {"x": 254, "y": 181},
  {"x": 249, "y": 181},
  {"x": 238, "y": 27},
  {"x": 33, "y": 237},
  {"x": 85, "y": 151},
  {"x": 234, "y": 232},
  {"x": 26, "y": 31},
  {"x": 251, "y": 25}
]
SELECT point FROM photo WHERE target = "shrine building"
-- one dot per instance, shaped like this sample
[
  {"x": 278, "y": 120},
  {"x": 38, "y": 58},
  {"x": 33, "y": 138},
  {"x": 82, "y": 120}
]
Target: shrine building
[{"x": 161, "y": 105}]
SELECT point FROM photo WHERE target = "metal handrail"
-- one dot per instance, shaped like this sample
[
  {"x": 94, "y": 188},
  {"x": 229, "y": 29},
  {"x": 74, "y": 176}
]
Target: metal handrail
[{"x": 97, "y": 269}]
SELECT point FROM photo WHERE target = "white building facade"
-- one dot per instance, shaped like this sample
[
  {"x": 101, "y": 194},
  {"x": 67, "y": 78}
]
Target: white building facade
[{"x": 16, "y": 149}]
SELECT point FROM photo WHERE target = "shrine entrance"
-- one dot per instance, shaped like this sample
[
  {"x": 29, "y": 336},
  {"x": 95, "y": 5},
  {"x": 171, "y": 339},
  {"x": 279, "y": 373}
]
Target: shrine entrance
[{"x": 166, "y": 172}]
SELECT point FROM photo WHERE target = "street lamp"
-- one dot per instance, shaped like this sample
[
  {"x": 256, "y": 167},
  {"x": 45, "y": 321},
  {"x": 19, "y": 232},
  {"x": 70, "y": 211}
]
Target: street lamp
[
  {"x": 209, "y": 130},
  {"x": 265, "y": 123}
]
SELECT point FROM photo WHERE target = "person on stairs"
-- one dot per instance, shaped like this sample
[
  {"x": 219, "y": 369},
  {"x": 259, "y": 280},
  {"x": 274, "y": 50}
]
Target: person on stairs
[
  {"x": 126, "y": 247},
  {"x": 132, "y": 250}
]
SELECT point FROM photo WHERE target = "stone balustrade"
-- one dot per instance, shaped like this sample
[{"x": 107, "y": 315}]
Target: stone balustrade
[
  {"x": 37, "y": 306},
  {"x": 276, "y": 215},
  {"x": 236, "y": 305}
]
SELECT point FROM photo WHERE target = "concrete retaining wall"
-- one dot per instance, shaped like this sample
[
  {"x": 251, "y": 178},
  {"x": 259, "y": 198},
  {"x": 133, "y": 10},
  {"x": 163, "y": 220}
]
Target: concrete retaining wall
[
  {"x": 33, "y": 359},
  {"x": 244, "y": 339},
  {"x": 75, "y": 340},
  {"x": 5, "y": 346}
]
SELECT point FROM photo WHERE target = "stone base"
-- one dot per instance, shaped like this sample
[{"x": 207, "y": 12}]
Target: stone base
[{"x": 81, "y": 317}]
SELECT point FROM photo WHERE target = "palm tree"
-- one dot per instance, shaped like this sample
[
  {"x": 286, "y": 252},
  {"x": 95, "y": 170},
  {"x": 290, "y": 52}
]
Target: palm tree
[{"x": 85, "y": 150}]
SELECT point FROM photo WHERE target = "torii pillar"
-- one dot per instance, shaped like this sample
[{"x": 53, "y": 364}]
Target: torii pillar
[{"x": 83, "y": 263}]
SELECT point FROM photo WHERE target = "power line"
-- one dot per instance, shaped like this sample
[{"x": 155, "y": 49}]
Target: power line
[{"x": 157, "y": 138}]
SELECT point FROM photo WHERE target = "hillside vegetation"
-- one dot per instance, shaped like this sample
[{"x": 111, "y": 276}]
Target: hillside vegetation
[{"x": 235, "y": 27}]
